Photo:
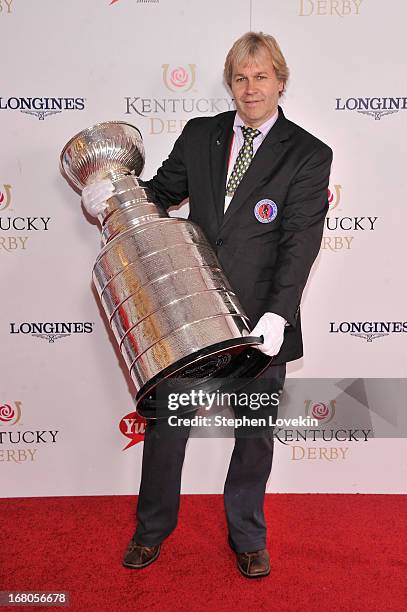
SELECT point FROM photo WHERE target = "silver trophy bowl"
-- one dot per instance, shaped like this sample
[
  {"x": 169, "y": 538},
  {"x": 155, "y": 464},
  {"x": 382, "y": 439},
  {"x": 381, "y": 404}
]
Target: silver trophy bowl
[{"x": 176, "y": 319}]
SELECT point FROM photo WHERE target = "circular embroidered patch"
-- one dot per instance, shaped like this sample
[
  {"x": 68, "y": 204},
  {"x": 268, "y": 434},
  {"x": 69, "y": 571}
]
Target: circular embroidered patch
[{"x": 265, "y": 211}]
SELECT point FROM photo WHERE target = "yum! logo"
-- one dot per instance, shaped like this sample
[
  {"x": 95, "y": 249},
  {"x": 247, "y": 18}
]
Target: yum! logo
[
  {"x": 179, "y": 78},
  {"x": 133, "y": 426}
]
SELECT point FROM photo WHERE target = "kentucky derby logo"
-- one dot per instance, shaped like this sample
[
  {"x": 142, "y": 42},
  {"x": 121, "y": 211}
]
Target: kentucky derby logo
[
  {"x": 322, "y": 411},
  {"x": 179, "y": 78},
  {"x": 133, "y": 426},
  {"x": 265, "y": 211},
  {"x": 334, "y": 196},
  {"x": 10, "y": 414},
  {"x": 5, "y": 197}
]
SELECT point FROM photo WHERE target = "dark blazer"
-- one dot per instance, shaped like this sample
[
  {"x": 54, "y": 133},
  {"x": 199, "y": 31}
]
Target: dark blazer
[{"x": 267, "y": 264}]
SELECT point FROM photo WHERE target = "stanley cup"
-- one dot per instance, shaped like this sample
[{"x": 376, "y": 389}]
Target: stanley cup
[{"x": 176, "y": 319}]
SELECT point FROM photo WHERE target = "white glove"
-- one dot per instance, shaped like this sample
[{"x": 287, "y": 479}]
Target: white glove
[
  {"x": 94, "y": 196},
  {"x": 271, "y": 327}
]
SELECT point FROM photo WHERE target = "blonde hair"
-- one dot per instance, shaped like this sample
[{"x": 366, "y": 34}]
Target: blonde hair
[{"x": 247, "y": 47}]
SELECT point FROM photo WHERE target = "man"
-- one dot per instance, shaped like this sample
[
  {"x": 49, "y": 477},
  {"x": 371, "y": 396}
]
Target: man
[{"x": 257, "y": 185}]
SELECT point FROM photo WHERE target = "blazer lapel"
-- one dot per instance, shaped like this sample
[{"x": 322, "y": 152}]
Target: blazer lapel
[
  {"x": 263, "y": 164},
  {"x": 221, "y": 142}
]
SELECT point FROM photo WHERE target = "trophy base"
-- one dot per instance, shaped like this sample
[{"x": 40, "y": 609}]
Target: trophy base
[{"x": 221, "y": 368}]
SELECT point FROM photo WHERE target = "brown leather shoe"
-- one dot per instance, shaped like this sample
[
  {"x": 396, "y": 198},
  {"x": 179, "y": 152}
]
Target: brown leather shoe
[
  {"x": 138, "y": 556},
  {"x": 254, "y": 564}
]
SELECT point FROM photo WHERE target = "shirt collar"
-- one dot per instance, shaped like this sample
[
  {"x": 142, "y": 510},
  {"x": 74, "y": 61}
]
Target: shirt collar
[{"x": 264, "y": 128}]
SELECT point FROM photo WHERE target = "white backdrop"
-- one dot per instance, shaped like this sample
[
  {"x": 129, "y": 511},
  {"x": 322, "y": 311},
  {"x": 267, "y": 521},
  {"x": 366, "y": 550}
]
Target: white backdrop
[{"x": 63, "y": 398}]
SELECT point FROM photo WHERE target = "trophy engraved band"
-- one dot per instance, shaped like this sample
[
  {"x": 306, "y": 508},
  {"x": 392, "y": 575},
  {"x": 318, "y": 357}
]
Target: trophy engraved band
[{"x": 173, "y": 313}]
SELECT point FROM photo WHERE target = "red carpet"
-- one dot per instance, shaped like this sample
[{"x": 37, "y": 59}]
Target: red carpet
[{"x": 329, "y": 552}]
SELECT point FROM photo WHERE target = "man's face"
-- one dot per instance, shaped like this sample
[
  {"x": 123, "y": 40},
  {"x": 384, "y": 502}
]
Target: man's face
[{"x": 256, "y": 89}]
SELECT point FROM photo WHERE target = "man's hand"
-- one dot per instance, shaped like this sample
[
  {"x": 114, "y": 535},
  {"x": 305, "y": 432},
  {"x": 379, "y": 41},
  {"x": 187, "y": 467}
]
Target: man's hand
[
  {"x": 94, "y": 196},
  {"x": 271, "y": 327}
]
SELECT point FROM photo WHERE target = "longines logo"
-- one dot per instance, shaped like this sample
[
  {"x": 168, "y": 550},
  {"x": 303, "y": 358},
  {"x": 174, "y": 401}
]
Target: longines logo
[
  {"x": 331, "y": 8},
  {"x": 51, "y": 331},
  {"x": 373, "y": 107},
  {"x": 6, "y": 7},
  {"x": 165, "y": 115},
  {"x": 338, "y": 223},
  {"x": 22, "y": 226},
  {"x": 368, "y": 330},
  {"x": 42, "y": 107},
  {"x": 10, "y": 416},
  {"x": 133, "y": 427}
]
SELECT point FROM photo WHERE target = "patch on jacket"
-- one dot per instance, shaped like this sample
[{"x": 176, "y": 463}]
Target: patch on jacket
[{"x": 265, "y": 211}]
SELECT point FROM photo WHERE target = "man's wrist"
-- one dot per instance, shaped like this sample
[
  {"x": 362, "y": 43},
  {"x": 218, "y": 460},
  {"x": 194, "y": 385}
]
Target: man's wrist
[{"x": 279, "y": 317}]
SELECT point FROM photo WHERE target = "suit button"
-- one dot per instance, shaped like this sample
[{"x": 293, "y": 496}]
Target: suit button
[{"x": 219, "y": 242}]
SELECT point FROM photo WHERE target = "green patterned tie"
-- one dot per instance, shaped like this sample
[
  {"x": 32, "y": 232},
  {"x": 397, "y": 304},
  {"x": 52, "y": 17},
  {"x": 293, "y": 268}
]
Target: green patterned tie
[{"x": 243, "y": 159}]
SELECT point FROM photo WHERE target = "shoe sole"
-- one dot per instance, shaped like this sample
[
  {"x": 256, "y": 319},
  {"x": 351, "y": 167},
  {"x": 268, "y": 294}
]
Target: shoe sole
[{"x": 131, "y": 566}]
